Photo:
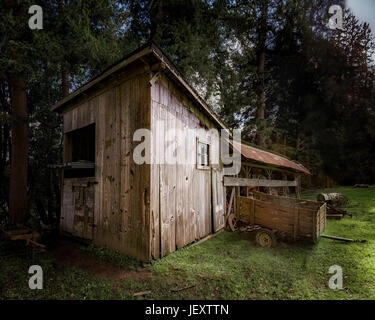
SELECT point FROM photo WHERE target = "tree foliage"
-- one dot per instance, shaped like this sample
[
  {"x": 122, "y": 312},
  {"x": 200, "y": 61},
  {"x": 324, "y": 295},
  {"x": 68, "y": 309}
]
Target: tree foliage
[{"x": 82, "y": 37}]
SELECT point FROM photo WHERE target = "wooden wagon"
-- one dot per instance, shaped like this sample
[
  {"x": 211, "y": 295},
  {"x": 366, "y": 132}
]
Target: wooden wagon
[{"x": 293, "y": 218}]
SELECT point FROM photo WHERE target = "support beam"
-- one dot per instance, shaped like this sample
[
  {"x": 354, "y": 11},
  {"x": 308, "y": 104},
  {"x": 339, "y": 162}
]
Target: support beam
[
  {"x": 230, "y": 202},
  {"x": 255, "y": 165},
  {"x": 242, "y": 182}
]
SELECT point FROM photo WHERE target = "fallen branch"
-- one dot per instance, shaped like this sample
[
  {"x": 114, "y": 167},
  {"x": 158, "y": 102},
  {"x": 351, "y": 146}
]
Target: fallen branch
[
  {"x": 25, "y": 234},
  {"x": 26, "y": 237},
  {"x": 334, "y": 216},
  {"x": 181, "y": 289},
  {"x": 36, "y": 244},
  {"x": 142, "y": 293},
  {"x": 341, "y": 239}
]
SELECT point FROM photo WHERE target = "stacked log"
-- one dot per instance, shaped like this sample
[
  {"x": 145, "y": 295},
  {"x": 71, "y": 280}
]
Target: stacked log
[
  {"x": 334, "y": 199},
  {"x": 250, "y": 228}
]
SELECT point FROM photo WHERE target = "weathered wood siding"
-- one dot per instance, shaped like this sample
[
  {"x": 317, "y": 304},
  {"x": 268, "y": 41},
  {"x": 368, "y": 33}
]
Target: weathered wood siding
[
  {"x": 149, "y": 210},
  {"x": 181, "y": 196},
  {"x": 122, "y": 189},
  {"x": 218, "y": 198},
  {"x": 78, "y": 204}
]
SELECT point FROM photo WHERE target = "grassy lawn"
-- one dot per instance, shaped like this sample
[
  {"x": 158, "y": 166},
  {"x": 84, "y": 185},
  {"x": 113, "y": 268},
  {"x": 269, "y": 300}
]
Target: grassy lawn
[{"x": 228, "y": 266}]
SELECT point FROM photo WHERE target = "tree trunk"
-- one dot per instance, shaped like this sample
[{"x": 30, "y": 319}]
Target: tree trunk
[
  {"x": 65, "y": 80},
  {"x": 261, "y": 53},
  {"x": 156, "y": 13},
  {"x": 18, "y": 204}
]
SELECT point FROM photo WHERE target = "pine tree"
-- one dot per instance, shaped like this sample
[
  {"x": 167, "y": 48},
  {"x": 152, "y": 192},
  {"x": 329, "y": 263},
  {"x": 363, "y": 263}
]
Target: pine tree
[
  {"x": 17, "y": 48},
  {"x": 82, "y": 37}
]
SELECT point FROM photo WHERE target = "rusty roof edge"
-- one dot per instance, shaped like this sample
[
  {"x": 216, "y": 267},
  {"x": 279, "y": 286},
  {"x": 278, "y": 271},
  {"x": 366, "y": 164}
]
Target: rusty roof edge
[
  {"x": 248, "y": 144},
  {"x": 284, "y": 168},
  {"x": 303, "y": 168}
]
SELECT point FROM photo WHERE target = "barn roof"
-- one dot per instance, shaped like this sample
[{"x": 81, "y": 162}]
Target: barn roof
[{"x": 269, "y": 158}]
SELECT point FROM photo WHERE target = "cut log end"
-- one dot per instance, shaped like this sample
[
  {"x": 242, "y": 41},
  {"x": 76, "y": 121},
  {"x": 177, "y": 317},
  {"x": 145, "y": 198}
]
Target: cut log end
[{"x": 334, "y": 199}]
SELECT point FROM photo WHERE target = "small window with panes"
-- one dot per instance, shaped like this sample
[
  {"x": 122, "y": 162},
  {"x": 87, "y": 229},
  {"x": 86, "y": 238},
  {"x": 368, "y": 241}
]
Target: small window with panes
[{"x": 203, "y": 161}]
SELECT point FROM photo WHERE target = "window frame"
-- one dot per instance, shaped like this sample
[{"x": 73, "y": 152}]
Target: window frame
[{"x": 200, "y": 166}]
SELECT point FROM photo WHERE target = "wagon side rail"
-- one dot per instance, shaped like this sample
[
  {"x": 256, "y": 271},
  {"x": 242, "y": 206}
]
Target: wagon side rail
[
  {"x": 293, "y": 221},
  {"x": 304, "y": 203}
]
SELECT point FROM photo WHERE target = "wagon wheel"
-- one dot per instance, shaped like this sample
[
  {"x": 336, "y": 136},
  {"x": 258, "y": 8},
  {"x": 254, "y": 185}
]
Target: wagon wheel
[
  {"x": 266, "y": 238},
  {"x": 232, "y": 222}
]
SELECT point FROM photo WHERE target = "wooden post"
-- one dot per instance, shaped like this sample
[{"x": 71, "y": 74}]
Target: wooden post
[
  {"x": 285, "y": 189},
  {"x": 298, "y": 187},
  {"x": 315, "y": 238},
  {"x": 269, "y": 175},
  {"x": 252, "y": 215},
  {"x": 246, "y": 171},
  {"x": 238, "y": 190},
  {"x": 231, "y": 201}
]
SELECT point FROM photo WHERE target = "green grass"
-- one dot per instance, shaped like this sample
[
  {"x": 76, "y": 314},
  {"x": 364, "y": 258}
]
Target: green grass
[
  {"x": 113, "y": 257},
  {"x": 228, "y": 266}
]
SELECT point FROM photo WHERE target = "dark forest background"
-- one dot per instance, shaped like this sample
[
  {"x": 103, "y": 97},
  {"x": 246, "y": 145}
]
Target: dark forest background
[{"x": 271, "y": 67}]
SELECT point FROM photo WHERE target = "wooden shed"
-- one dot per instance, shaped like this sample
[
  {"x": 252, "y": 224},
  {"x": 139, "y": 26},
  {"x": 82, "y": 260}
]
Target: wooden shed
[
  {"x": 144, "y": 210},
  {"x": 152, "y": 208}
]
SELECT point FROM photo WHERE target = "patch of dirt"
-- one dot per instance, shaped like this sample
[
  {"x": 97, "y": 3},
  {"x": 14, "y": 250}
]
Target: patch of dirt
[{"x": 67, "y": 253}]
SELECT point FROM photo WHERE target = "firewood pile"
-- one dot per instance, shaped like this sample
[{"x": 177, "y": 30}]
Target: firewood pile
[
  {"x": 233, "y": 225},
  {"x": 333, "y": 201},
  {"x": 249, "y": 228}
]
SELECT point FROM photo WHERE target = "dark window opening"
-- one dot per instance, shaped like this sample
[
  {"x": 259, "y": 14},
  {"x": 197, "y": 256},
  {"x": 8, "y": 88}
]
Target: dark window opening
[
  {"x": 80, "y": 153},
  {"x": 83, "y": 144}
]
